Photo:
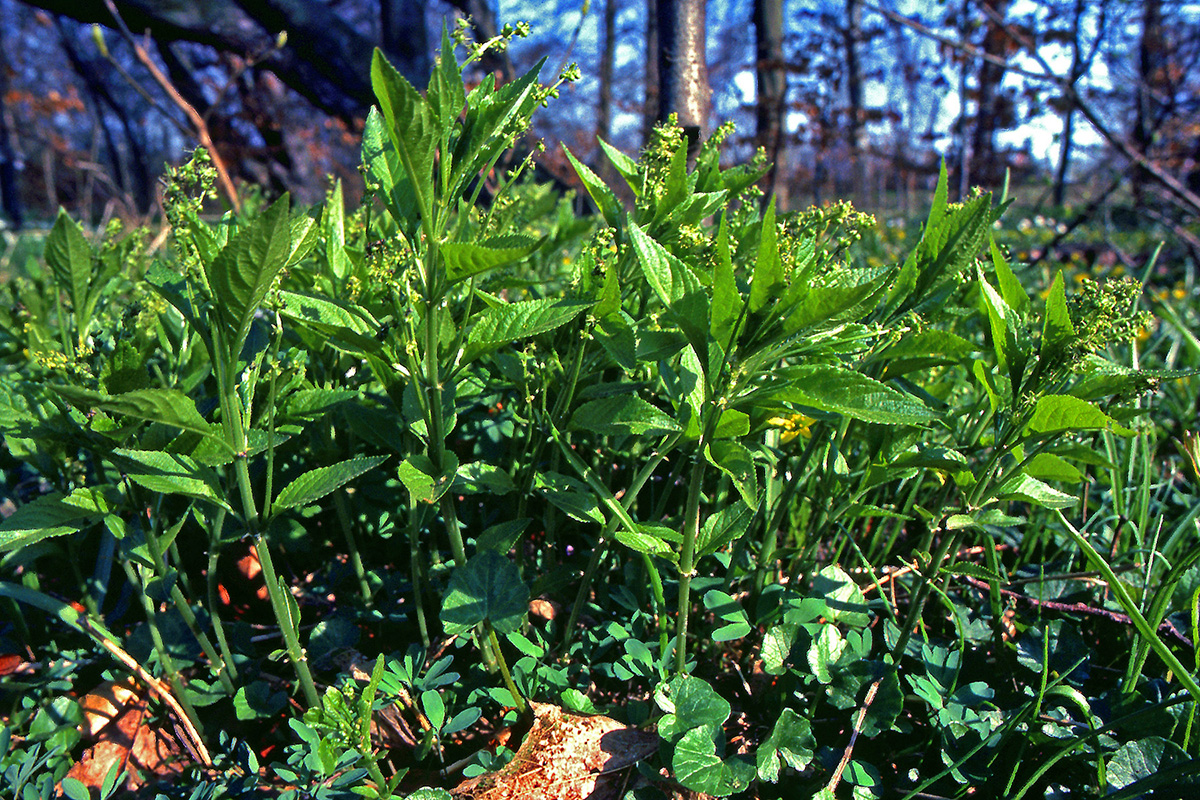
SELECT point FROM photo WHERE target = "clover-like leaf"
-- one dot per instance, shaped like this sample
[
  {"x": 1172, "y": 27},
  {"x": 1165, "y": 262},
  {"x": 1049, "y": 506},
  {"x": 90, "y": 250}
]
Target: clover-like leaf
[
  {"x": 488, "y": 587},
  {"x": 698, "y": 767}
]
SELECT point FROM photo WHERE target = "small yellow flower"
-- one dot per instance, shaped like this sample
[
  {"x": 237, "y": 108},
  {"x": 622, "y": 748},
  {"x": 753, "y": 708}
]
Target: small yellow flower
[{"x": 792, "y": 425}]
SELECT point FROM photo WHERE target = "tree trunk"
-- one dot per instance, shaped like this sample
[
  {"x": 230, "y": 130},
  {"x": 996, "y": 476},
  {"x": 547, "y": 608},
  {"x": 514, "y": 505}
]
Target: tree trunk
[
  {"x": 771, "y": 91},
  {"x": 650, "y": 109},
  {"x": 1152, "y": 52},
  {"x": 985, "y": 170},
  {"x": 608, "y": 52},
  {"x": 683, "y": 87},
  {"x": 1067, "y": 139},
  {"x": 855, "y": 124}
]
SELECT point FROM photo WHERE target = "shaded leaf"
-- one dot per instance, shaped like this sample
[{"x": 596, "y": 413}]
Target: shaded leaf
[
  {"x": 488, "y": 587},
  {"x": 316, "y": 483}
]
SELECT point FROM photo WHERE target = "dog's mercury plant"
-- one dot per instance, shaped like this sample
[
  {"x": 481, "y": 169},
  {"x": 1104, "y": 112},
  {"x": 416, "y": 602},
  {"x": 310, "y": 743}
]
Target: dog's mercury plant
[{"x": 706, "y": 435}]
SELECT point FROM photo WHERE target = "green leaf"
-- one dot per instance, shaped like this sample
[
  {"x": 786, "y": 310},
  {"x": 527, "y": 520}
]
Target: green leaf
[
  {"x": 69, "y": 257},
  {"x": 170, "y": 473},
  {"x": 622, "y": 415},
  {"x": 256, "y": 700},
  {"x": 1003, "y": 324},
  {"x": 602, "y": 196},
  {"x": 767, "y": 281},
  {"x": 167, "y": 406},
  {"x": 384, "y": 168},
  {"x": 48, "y": 516},
  {"x": 1049, "y": 467},
  {"x": 853, "y": 394},
  {"x": 840, "y": 295},
  {"x": 648, "y": 539},
  {"x": 736, "y": 461},
  {"x": 423, "y": 481},
  {"x": 689, "y": 702},
  {"x": 246, "y": 267},
  {"x": 571, "y": 496},
  {"x": 697, "y": 766},
  {"x": 1011, "y": 290},
  {"x": 841, "y": 594},
  {"x": 435, "y": 708},
  {"x": 445, "y": 94},
  {"x": 791, "y": 742},
  {"x": 824, "y": 653},
  {"x": 624, "y": 165},
  {"x": 725, "y": 526},
  {"x": 1055, "y": 413},
  {"x": 729, "y": 612},
  {"x": 503, "y": 535},
  {"x": 467, "y": 259},
  {"x": 478, "y": 477},
  {"x": 488, "y": 587},
  {"x": 1057, "y": 329},
  {"x": 411, "y": 128},
  {"x": 316, "y": 483},
  {"x": 726, "y": 299},
  {"x": 1030, "y": 490},
  {"x": 676, "y": 285},
  {"x": 507, "y": 323}
]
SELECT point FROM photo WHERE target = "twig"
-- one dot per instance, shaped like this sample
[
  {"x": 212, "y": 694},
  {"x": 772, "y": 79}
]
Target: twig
[
  {"x": 1079, "y": 608},
  {"x": 1170, "y": 182},
  {"x": 152, "y": 683},
  {"x": 198, "y": 122},
  {"x": 858, "y": 726}
]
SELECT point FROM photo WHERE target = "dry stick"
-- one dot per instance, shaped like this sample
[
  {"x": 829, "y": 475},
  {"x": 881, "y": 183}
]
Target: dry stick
[
  {"x": 154, "y": 684},
  {"x": 201, "y": 127},
  {"x": 1172, "y": 183},
  {"x": 858, "y": 726}
]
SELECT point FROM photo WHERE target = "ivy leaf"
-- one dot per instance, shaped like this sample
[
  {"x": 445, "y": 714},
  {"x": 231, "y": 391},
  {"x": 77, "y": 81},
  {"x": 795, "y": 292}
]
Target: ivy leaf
[
  {"x": 690, "y": 703},
  {"x": 791, "y": 742},
  {"x": 316, "y": 483},
  {"x": 698, "y": 767},
  {"x": 488, "y": 587}
]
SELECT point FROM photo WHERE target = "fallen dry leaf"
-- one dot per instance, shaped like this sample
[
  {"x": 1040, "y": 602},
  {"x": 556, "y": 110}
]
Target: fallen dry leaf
[{"x": 565, "y": 756}]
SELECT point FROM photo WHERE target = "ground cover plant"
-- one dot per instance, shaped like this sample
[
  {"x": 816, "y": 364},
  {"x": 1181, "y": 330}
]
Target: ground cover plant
[{"x": 332, "y": 503}]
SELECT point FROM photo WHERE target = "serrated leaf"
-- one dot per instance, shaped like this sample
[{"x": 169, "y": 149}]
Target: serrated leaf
[
  {"x": 719, "y": 529},
  {"x": 1055, "y": 413},
  {"x": 170, "y": 473},
  {"x": 972, "y": 570},
  {"x": 167, "y": 406},
  {"x": 503, "y": 535},
  {"x": 1030, "y": 490},
  {"x": 622, "y": 415},
  {"x": 69, "y": 257},
  {"x": 411, "y": 129},
  {"x": 1057, "y": 329},
  {"x": 853, "y": 394},
  {"x": 316, "y": 483},
  {"x": 423, "y": 481},
  {"x": 767, "y": 280},
  {"x": 488, "y": 587},
  {"x": 507, "y": 323},
  {"x": 676, "y": 286},
  {"x": 736, "y": 461},
  {"x": 467, "y": 259},
  {"x": 647, "y": 539},
  {"x": 478, "y": 477},
  {"x": 697, "y": 766},
  {"x": 571, "y": 496},
  {"x": 45, "y": 517},
  {"x": 246, "y": 266},
  {"x": 602, "y": 196}
]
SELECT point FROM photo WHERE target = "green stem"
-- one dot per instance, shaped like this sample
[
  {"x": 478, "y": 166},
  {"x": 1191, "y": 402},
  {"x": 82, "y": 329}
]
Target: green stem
[
  {"x": 687, "y": 557},
  {"x": 948, "y": 545},
  {"x": 518, "y": 699},
  {"x": 343, "y": 514}
]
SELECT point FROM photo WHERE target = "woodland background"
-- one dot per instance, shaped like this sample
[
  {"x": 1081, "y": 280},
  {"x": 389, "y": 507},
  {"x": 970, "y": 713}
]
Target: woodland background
[{"x": 1087, "y": 103}]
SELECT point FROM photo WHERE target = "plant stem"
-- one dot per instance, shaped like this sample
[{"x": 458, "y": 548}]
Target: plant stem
[
  {"x": 687, "y": 557},
  {"x": 343, "y": 514},
  {"x": 494, "y": 642}
]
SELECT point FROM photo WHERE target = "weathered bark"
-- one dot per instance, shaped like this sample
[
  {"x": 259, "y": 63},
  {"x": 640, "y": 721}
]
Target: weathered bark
[
  {"x": 1067, "y": 138},
  {"x": 771, "y": 90},
  {"x": 1152, "y": 57},
  {"x": 856, "y": 114},
  {"x": 608, "y": 53},
  {"x": 325, "y": 60},
  {"x": 683, "y": 87},
  {"x": 650, "y": 109},
  {"x": 985, "y": 168}
]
